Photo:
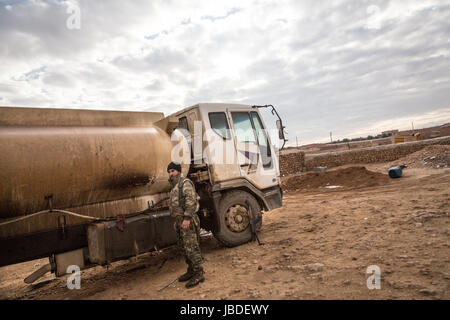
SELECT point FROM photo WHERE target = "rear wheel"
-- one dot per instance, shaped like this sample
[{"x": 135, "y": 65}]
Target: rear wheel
[{"x": 234, "y": 224}]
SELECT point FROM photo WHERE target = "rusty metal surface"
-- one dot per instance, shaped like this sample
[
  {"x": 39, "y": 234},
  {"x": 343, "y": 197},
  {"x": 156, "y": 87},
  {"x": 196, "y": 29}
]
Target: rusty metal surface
[
  {"x": 17, "y": 116},
  {"x": 79, "y": 166},
  {"x": 93, "y": 170}
]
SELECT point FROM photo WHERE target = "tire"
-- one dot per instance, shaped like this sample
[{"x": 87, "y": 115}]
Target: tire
[{"x": 236, "y": 200}]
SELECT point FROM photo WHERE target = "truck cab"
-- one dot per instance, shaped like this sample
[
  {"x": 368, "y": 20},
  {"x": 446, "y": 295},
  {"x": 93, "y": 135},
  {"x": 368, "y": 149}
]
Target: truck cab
[{"x": 228, "y": 149}]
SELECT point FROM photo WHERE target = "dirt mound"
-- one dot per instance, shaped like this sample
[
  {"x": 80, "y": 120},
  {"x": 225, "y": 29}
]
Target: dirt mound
[
  {"x": 437, "y": 156},
  {"x": 352, "y": 177}
]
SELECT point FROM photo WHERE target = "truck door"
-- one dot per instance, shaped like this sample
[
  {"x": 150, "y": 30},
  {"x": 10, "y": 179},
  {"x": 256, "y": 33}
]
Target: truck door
[
  {"x": 191, "y": 128},
  {"x": 255, "y": 155},
  {"x": 196, "y": 131},
  {"x": 268, "y": 167}
]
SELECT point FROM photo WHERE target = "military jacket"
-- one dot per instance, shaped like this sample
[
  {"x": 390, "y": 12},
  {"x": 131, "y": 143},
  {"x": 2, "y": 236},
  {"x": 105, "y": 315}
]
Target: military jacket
[{"x": 191, "y": 204}]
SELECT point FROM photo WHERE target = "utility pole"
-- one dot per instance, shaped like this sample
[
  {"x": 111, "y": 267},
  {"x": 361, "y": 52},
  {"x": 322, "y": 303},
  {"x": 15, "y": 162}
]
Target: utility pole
[
  {"x": 412, "y": 125},
  {"x": 296, "y": 140},
  {"x": 331, "y": 136}
]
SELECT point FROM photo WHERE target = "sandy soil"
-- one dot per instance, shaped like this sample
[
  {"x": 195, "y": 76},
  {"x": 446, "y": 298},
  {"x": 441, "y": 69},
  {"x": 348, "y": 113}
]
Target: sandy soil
[
  {"x": 317, "y": 246},
  {"x": 345, "y": 178}
]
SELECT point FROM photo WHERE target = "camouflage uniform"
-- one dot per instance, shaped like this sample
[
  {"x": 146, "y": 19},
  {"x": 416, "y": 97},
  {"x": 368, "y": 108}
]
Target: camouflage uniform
[{"x": 188, "y": 239}]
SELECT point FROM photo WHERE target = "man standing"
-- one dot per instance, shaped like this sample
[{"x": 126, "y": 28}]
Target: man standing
[{"x": 183, "y": 207}]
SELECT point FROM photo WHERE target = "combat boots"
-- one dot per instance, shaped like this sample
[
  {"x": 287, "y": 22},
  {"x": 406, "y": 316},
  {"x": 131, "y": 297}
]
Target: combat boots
[
  {"x": 186, "y": 276},
  {"x": 195, "y": 280}
]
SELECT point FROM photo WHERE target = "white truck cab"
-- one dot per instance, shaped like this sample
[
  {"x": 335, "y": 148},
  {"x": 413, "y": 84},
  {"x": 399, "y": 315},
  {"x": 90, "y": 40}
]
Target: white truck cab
[{"x": 233, "y": 163}]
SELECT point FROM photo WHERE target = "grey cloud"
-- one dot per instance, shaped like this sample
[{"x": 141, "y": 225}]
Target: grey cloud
[
  {"x": 160, "y": 60},
  {"x": 31, "y": 29},
  {"x": 363, "y": 80},
  {"x": 8, "y": 89},
  {"x": 267, "y": 68},
  {"x": 154, "y": 86},
  {"x": 31, "y": 101},
  {"x": 28, "y": 31},
  {"x": 98, "y": 75},
  {"x": 58, "y": 80}
]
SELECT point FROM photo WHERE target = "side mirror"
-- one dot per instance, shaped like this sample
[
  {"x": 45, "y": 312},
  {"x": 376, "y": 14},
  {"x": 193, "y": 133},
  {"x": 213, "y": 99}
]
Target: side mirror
[{"x": 280, "y": 130}]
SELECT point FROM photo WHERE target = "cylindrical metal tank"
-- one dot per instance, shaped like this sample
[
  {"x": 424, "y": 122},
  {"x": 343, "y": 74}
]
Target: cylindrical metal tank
[
  {"x": 79, "y": 166},
  {"x": 96, "y": 170}
]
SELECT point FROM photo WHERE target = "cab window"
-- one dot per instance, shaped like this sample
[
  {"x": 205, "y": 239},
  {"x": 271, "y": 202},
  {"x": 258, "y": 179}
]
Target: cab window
[
  {"x": 183, "y": 124},
  {"x": 219, "y": 124},
  {"x": 263, "y": 142},
  {"x": 243, "y": 127}
]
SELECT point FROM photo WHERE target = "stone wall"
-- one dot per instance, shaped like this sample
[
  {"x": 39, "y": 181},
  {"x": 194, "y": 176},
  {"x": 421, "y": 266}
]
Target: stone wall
[
  {"x": 292, "y": 163},
  {"x": 296, "y": 162}
]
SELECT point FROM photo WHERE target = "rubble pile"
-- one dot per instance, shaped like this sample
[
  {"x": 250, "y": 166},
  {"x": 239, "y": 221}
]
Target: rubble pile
[{"x": 437, "y": 156}]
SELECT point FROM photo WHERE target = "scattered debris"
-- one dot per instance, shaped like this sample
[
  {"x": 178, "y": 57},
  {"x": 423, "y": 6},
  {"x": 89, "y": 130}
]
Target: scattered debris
[
  {"x": 428, "y": 292},
  {"x": 315, "y": 267},
  {"x": 435, "y": 156}
]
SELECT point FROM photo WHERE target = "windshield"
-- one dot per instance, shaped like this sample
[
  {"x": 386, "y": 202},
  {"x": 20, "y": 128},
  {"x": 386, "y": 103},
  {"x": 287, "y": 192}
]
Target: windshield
[{"x": 243, "y": 127}]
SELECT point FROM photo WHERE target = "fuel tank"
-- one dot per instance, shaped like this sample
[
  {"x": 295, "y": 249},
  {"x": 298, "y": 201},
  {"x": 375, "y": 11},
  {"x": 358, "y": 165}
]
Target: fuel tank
[{"x": 97, "y": 163}]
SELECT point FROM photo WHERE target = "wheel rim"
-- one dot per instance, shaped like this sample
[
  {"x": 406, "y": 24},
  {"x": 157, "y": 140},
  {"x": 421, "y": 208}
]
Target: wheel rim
[{"x": 236, "y": 218}]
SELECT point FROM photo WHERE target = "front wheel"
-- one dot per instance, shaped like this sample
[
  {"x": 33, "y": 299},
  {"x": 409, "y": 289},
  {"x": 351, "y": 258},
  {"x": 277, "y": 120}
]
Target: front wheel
[{"x": 234, "y": 224}]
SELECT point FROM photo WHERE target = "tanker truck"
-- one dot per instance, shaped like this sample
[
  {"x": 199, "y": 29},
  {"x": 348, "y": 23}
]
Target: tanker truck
[{"x": 90, "y": 187}]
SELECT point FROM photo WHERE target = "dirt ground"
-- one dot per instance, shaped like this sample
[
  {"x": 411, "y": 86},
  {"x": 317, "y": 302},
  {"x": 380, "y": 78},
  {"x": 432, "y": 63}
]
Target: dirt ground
[
  {"x": 317, "y": 246},
  {"x": 348, "y": 178}
]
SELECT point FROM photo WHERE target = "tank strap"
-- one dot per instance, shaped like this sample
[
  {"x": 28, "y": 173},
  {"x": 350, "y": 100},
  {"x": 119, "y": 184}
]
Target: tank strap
[{"x": 181, "y": 199}]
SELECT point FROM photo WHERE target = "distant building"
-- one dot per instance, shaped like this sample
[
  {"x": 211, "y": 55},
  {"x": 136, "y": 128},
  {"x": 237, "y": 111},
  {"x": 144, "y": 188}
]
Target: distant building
[{"x": 390, "y": 132}]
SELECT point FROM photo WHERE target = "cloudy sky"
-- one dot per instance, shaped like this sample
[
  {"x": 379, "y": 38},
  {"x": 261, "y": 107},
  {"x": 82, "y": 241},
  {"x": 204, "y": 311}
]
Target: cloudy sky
[{"x": 351, "y": 67}]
